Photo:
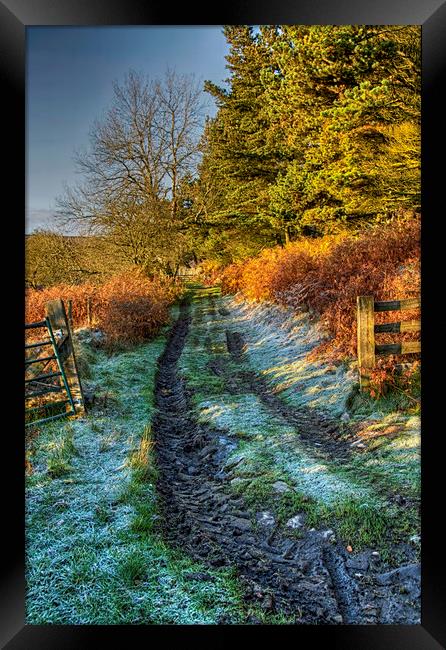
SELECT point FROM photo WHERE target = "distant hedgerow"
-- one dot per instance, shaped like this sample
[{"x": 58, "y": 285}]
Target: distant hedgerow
[{"x": 129, "y": 308}]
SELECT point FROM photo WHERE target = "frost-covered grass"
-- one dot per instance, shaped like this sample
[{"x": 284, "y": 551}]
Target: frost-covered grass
[
  {"x": 93, "y": 553},
  {"x": 275, "y": 335},
  {"x": 355, "y": 497},
  {"x": 270, "y": 451},
  {"x": 277, "y": 444},
  {"x": 206, "y": 341},
  {"x": 278, "y": 342},
  {"x": 392, "y": 460}
]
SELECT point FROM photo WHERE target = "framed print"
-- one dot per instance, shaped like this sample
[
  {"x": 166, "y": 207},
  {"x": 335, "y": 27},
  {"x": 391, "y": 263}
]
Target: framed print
[{"x": 223, "y": 215}]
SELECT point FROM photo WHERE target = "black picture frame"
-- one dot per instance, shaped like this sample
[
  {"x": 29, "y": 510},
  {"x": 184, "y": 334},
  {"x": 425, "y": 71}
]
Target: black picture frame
[{"x": 15, "y": 17}]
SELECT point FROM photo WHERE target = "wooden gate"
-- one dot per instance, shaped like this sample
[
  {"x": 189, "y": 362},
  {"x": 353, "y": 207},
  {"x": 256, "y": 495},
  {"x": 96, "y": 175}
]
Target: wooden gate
[
  {"x": 50, "y": 369},
  {"x": 367, "y": 348}
]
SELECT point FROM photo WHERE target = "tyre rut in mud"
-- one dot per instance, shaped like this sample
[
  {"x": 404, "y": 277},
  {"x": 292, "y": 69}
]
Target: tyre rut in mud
[
  {"x": 320, "y": 433},
  {"x": 303, "y": 578}
]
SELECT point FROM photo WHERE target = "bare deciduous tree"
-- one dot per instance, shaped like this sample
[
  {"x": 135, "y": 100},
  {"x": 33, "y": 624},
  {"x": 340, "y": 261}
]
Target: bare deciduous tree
[{"x": 139, "y": 153}]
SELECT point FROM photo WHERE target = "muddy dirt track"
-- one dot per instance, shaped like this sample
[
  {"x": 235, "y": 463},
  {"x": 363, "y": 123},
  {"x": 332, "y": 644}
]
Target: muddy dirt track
[{"x": 310, "y": 578}]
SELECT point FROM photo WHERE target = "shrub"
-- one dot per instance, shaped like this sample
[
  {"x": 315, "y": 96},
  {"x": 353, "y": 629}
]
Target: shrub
[
  {"x": 325, "y": 275},
  {"x": 129, "y": 307},
  {"x": 209, "y": 272},
  {"x": 132, "y": 308}
]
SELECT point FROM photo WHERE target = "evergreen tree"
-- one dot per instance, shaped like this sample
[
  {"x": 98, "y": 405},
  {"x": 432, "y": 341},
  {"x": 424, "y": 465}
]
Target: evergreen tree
[
  {"x": 349, "y": 105},
  {"x": 241, "y": 159}
]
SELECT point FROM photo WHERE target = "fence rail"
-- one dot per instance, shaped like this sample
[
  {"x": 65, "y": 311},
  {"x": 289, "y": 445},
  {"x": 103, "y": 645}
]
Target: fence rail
[{"x": 368, "y": 350}]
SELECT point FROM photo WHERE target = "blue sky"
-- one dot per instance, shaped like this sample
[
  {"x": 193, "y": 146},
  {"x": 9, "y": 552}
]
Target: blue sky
[{"x": 70, "y": 71}]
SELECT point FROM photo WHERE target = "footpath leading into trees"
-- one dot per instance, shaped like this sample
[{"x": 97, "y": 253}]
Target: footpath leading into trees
[{"x": 275, "y": 488}]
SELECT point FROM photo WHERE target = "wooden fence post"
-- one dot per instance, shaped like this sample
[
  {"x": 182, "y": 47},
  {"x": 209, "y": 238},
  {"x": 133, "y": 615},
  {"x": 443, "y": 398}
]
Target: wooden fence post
[
  {"x": 55, "y": 311},
  {"x": 366, "y": 339},
  {"x": 89, "y": 311},
  {"x": 70, "y": 314}
]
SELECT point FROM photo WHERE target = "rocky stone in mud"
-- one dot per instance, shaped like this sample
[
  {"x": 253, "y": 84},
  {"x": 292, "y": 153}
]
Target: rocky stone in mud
[
  {"x": 281, "y": 487},
  {"x": 235, "y": 344},
  {"x": 295, "y": 522},
  {"x": 265, "y": 518},
  {"x": 360, "y": 562}
]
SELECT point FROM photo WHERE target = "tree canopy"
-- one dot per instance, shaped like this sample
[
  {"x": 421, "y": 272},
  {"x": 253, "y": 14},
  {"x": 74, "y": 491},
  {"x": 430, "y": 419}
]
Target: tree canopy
[{"x": 317, "y": 130}]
